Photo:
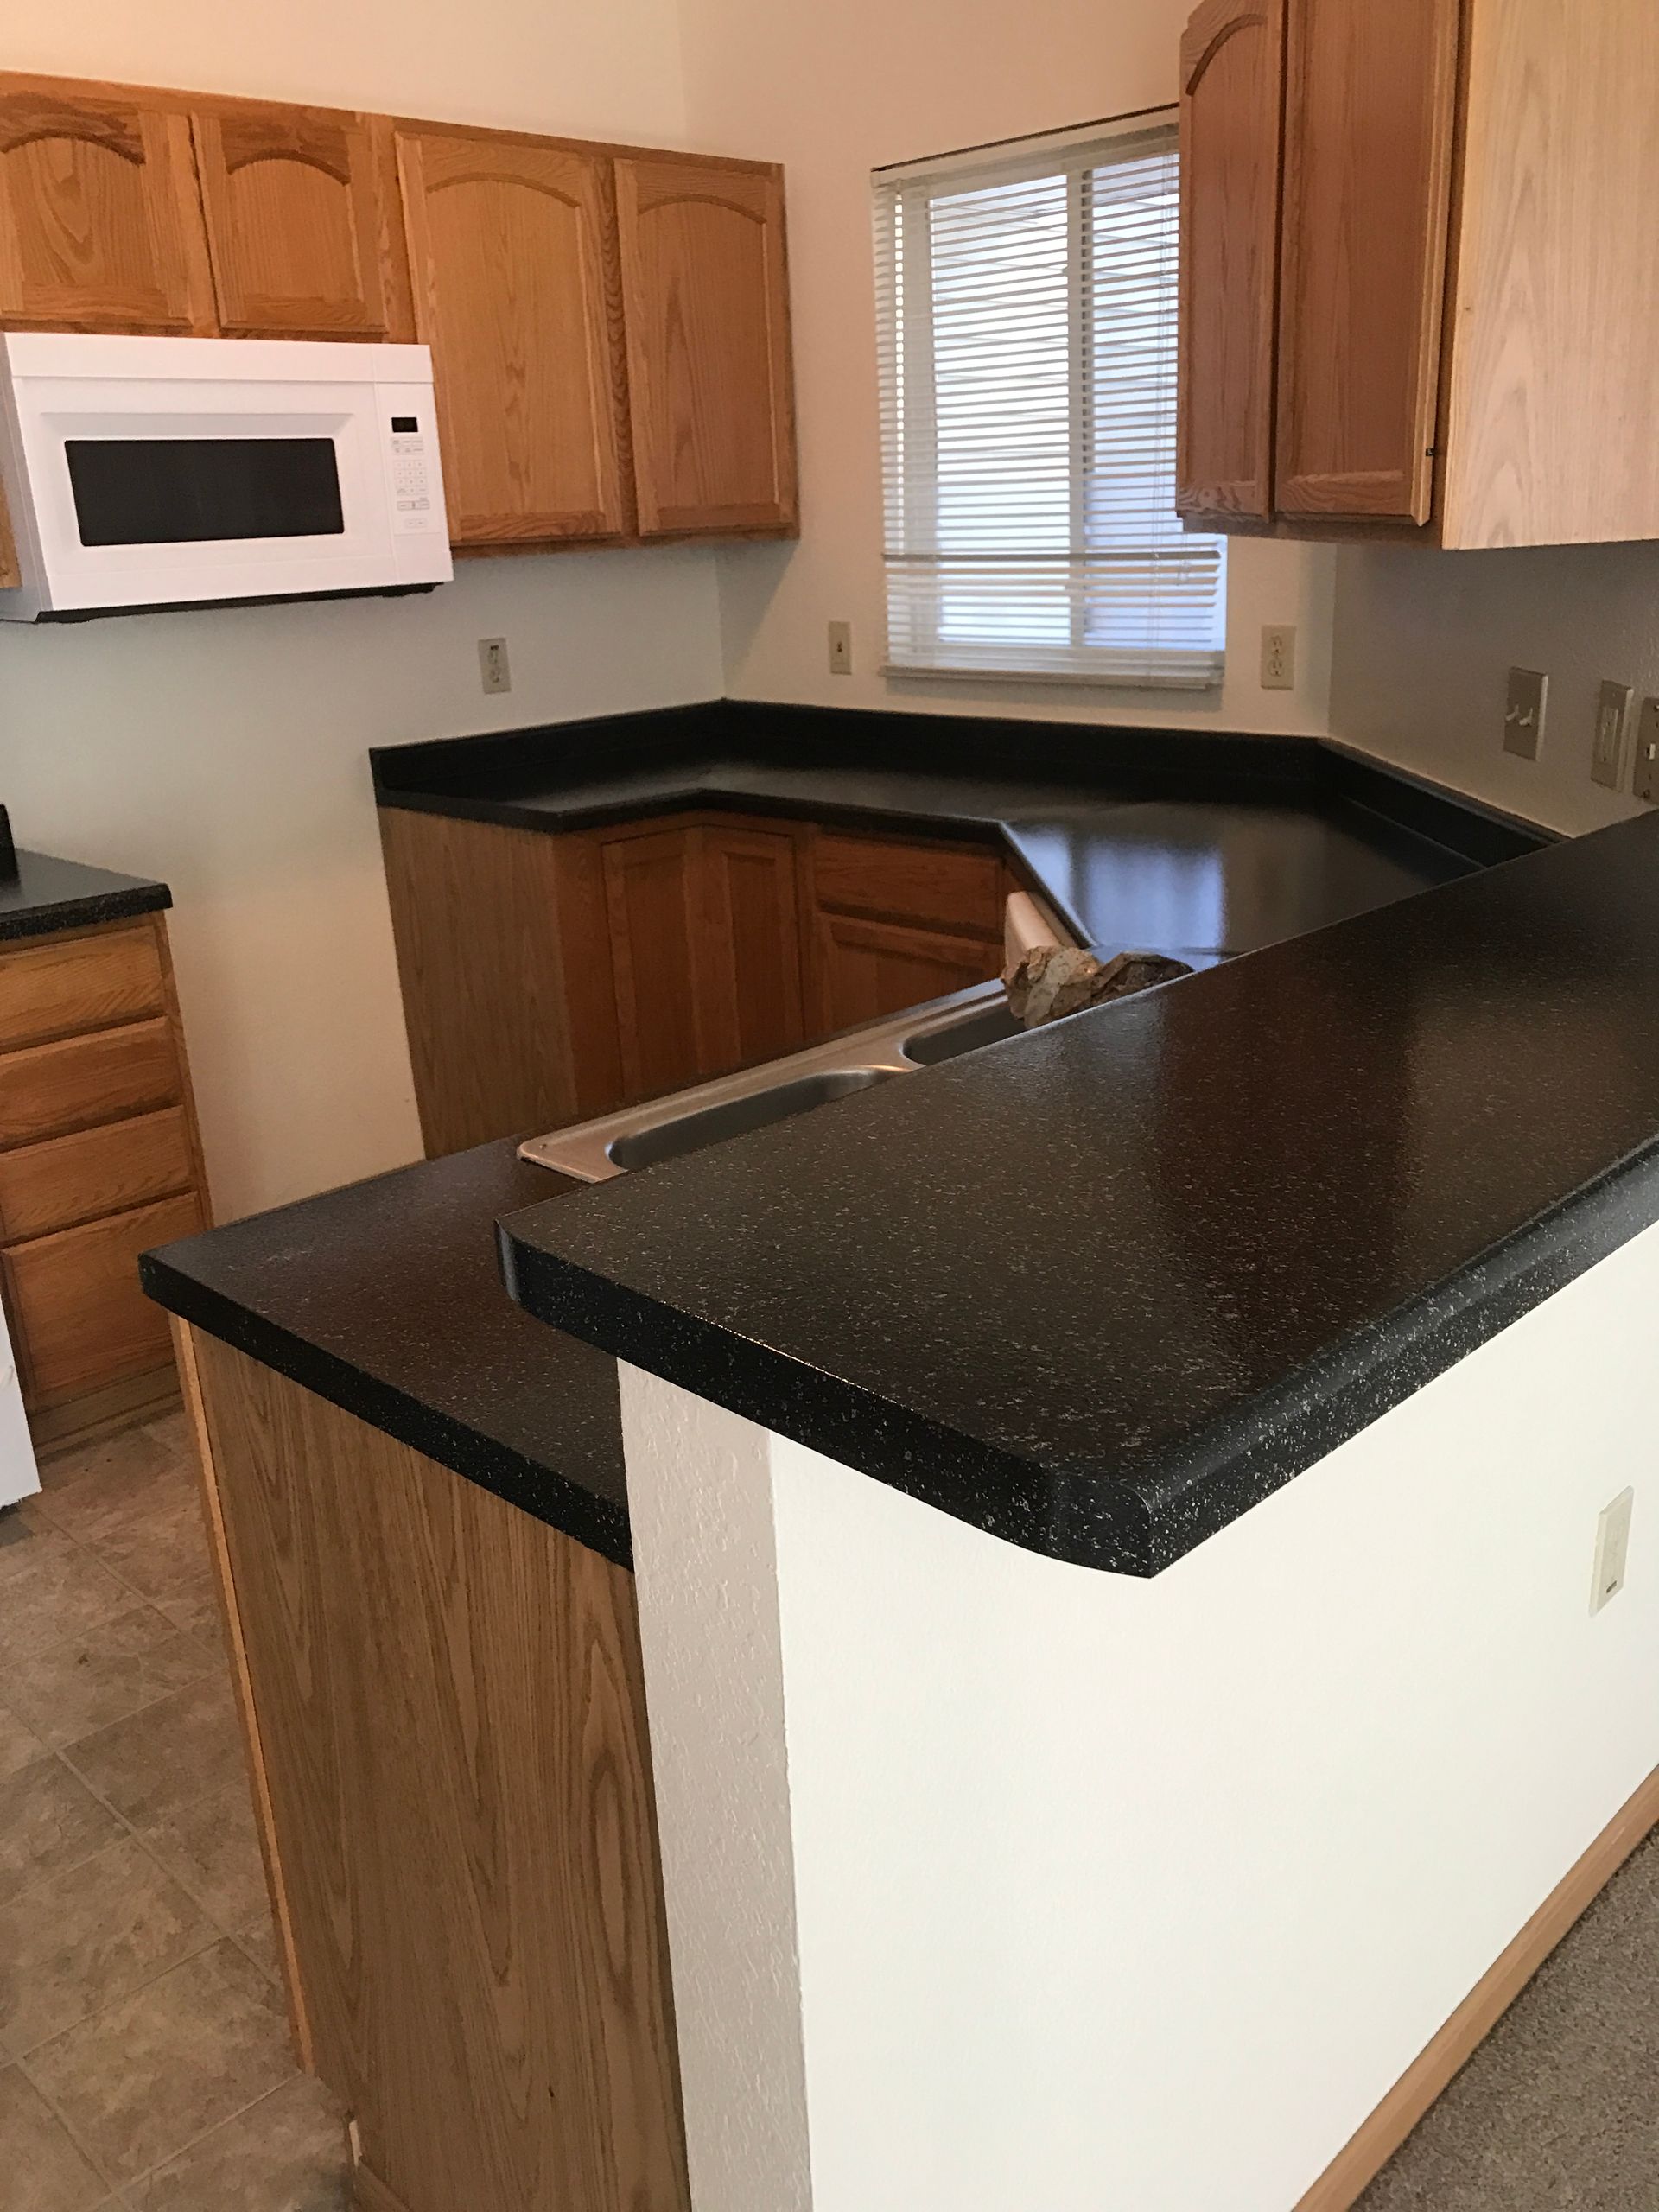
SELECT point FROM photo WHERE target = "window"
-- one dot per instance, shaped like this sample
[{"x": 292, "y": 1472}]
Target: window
[{"x": 1026, "y": 305}]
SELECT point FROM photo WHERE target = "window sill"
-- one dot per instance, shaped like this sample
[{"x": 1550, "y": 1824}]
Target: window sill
[{"x": 913, "y": 672}]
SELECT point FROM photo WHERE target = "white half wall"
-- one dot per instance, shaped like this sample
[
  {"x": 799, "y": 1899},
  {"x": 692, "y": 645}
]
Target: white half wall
[
  {"x": 1425, "y": 642},
  {"x": 1084, "y": 1891},
  {"x": 833, "y": 93},
  {"x": 225, "y": 752}
]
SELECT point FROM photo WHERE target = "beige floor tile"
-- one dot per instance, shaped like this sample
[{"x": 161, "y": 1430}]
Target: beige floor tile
[
  {"x": 19, "y": 1744},
  {"x": 288, "y": 2154},
  {"x": 174, "y": 1751},
  {"x": 116, "y": 1497},
  {"x": 67, "y": 1689},
  {"x": 130, "y": 1452},
  {"x": 51, "y": 1588},
  {"x": 142, "y": 2080},
  {"x": 194, "y": 1607},
  {"x": 258, "y": 1940},
  {"x": 49, "y": 1821},
  {"x": 161, "y": 1554},
  {"x": 172, "y": 1432},
  {"x": 76, "y": 1942},
  {"x": 42, "y": 2169},
  {"x": 211, "y": 1846}
]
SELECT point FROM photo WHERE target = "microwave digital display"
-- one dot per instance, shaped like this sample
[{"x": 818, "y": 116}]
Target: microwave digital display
[{"x": 189, "y": 490}]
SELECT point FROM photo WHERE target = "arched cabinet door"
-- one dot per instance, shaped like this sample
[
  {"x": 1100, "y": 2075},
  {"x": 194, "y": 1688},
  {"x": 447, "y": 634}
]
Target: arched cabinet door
[
  {"x": 705, "y": 290},
  {"x": 1232, "y": 84},
  {"x": 512, "y": 253},
  {"x": 99, "y": 225},
  {"x": 296, "y": 222}
]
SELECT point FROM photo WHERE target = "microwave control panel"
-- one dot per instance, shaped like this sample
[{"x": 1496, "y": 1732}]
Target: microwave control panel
[{"x": 417, "y": 503}]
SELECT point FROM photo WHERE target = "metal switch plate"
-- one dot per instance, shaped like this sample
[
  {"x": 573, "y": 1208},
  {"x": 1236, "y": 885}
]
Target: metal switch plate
[
  {"x": 1647, "y": 753},
  {"x": 1612, "y": 719},
  {"x": 1524, "y": 717},
  {"x": 1612, "y": 1549}
]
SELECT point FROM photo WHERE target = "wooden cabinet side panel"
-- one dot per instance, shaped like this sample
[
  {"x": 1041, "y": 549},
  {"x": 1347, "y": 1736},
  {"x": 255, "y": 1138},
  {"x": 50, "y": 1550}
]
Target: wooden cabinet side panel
[
  {"x": 100, "y": 225},
  {"x": 1232, "y": 129},
  {"x": 513, "y": 258},
  {"x": 476, "y": 920},
  {"x": 11, "y": 573},
  {"x": 450, "y": 1712},
  {"x": 1555, "y": 312},
  {"x": 1369, "y": 125},
  {"x": 706, "y": 289}
]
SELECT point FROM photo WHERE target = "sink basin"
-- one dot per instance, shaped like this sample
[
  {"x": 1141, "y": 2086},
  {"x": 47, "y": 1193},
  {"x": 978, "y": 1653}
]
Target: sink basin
[
  {"x": 736, "y": 1117},
  {"x": 987, "y": 1025}
]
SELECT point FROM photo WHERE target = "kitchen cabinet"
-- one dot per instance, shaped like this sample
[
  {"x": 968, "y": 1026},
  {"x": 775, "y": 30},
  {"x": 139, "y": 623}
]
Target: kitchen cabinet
[
  {"x": 10, "y": 574},
  {"x": 299, "y": 228},
  {"x": 706, "y": 295},
  {"x": 513, "y": 253},
  {"x": 1417, "y": 292},
  {"x": 550, "y": 978},
  {"x": 100, "y": 225},
  {"x": 445, "y": 1720},
  {"x": 99, "y": 1159}
]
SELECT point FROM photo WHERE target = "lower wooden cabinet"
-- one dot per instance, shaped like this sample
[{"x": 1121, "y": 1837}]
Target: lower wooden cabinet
[
  {"x": 99, "y": 1159},
  {"x": 548, "y": 979}
]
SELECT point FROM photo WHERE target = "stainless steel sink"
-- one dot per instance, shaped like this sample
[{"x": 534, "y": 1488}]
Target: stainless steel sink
[{"x": 754, "y": 1098}]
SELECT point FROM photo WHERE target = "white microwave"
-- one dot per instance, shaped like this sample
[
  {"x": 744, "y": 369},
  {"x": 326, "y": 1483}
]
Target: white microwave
[{"x": 145, "y": 473}]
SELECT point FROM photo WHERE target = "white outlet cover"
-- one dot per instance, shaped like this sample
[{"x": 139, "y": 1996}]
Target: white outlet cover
[{"x": 1612, "y": 1549}]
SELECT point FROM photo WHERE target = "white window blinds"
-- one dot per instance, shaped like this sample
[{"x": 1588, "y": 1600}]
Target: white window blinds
[{"x": 1026, "y": 308}]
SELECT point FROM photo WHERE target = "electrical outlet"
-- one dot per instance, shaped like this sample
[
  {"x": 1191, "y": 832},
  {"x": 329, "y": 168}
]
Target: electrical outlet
[
  {"x": 841, "y": 649},
  {"x": 493, "y": 665},
  {"x": 1612, "y": 1549},
  {"x": 1278, "y": 657},
  {"x": 1646, "y": 782},
  {"x": 1523, "y": 716},
  {"x": 1612, "y": 718}
]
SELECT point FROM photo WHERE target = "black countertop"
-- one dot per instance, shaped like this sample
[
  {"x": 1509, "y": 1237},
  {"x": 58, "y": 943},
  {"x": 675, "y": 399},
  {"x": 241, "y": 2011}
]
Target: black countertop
[
  {"x": 385, "y": 1297},
  {"x": 1100, "y": 1289},
  {"x": 47, "y": 894}
]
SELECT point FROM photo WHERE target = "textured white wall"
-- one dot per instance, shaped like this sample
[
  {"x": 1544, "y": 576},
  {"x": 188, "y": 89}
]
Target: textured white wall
[
  {"x": 1425, "y": 641},
  {"x": 1135, "y": 1893},
  {"x": 225, "y": 752},
  {"x": 832, "y": 93}
]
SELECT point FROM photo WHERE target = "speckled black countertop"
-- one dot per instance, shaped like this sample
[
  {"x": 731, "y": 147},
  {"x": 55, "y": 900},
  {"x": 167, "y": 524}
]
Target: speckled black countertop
[
  {"x": 47, "y": 894},
  {"x": 385, "y": 1297},
  {"x": 1100, "y": 1289}
]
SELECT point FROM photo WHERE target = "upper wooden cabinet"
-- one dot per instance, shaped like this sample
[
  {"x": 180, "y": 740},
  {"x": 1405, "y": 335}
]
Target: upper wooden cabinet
[
  {"x": 1232, "y": 93},
  {"x": 100, "y": 226},
  {"x": 1462, "y": 319},
  {"x": 297, "y": 223},
  {"x": 512, "y": 247},
  {"x": 705, "y": 287}
]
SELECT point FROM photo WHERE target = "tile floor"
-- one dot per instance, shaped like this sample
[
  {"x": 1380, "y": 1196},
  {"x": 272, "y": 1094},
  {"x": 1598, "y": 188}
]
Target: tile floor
[{"x": 145, "y": 2064}]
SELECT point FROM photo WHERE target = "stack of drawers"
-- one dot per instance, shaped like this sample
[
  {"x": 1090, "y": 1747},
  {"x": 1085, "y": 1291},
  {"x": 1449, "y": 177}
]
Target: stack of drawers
[{"x": 98, "y": 1159}]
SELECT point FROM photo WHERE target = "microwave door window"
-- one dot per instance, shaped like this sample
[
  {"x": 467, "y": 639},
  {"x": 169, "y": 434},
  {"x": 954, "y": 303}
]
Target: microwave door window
[{"x": 194, "y": 490}]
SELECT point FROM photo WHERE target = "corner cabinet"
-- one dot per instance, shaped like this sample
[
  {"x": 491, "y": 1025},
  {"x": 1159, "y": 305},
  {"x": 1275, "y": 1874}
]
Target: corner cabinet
[
  {"x": 706, "y": 294},
  {"x": 1416, "y": 292},
  {"x": 609, "y": 325}
]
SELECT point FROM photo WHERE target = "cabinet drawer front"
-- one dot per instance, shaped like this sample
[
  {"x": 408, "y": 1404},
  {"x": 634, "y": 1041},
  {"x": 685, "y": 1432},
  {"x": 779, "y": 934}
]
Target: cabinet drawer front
[
  {"x": 938, "y": 886},
  {"x": 80, "y": 1317},
  {"x": 80, "y": 983},
  {"x": 96, "y": 1172},
  {"x": 50, "y": 1090}
]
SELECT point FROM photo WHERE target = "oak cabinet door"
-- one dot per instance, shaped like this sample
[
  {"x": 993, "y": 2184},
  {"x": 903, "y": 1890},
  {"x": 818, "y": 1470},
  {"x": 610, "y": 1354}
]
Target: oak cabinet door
[
  {"x": 1232, "y": 86},
  {"x": 863, "y": 971},
  {"x": 513, "y": 248},
  {"x": 705, "y": 285},
  {"x": 750, "y": 997},
  {"x": 10, "y": 574},
  {"x": 294, "y": 215},
  {"x": 653, "y": 908},
  {"x": 81, "y": 1320},
  {"x": 100, "y": 227},
  {"x": 1370, "y": 108}
]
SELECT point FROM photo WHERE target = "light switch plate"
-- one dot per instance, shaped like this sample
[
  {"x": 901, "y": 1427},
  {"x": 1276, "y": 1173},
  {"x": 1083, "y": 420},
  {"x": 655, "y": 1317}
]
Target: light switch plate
[
  {"x": 1612, "y": 719},
  {"x": 1612, "y": 1549},
  {"x": 1647, "y": 754},
  {"x": 1523, "y": 716}
]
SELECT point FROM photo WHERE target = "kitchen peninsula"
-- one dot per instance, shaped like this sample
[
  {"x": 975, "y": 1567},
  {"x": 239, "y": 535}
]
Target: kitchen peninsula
[{"x": 1122, "y": 1459}]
